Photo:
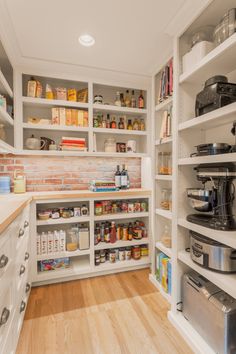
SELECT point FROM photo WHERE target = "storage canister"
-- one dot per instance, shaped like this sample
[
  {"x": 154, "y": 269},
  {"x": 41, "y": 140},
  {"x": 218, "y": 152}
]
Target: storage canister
[{"x": 5, "y": 184}]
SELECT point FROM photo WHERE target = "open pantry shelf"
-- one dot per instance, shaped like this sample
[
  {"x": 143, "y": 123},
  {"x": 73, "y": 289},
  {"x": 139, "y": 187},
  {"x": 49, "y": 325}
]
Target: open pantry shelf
[
  {"x": 163, "y": 141},
  {"x": 76, "y": 253},
  {"x": 165, "y": 213},
  {"x": 159, "y": 287},
  {"x": 227, "y": 282},
  {"x": 163, "y": 177},
  {"x": 226, "y": 237},
  {"x": 231, "y": 157},
  {"x": 162, "y": 248},
  {"x": 38, "y": 102},
  {"x": 190, "y": 334},
  {"x": 72, "y": 220},
  {"x": 5, "y": 118},
  {"x": 118, "y": 244},
  {"x": 55, "y": 127},
  {"x": 219, "y": 60},
  {"x": 121, "y": 216},
  {"x": 4, "y": 86},
  {"x": 212, "y": 119},
  {"x": 119, "y": 131},
  {"x": 144, "y": 261},
  {"x": 164, "y": 105},
  {"x": 124, "y": 110}
]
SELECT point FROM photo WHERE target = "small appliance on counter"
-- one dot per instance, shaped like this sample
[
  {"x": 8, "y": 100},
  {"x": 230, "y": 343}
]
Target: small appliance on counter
[
  {"x": 218, "y": 92},
  {"x": 211, "y": 254},
  {"x": 211, "y": 312},
  {"x": 215, "y": 202}
]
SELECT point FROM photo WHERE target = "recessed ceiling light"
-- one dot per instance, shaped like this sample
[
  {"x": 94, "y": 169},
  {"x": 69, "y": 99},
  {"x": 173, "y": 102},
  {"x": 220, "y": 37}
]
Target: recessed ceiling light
[{"x": 86, "y": 40}]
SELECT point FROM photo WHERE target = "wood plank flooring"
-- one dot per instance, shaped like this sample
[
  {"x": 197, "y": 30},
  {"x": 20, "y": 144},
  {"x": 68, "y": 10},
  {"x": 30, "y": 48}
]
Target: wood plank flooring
[{"x": 114, "y": 314}]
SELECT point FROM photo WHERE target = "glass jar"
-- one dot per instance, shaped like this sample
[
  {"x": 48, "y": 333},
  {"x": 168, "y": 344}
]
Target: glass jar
[
  {"x": 110, "y": 145},
  {"x": 72, "y": 240},
  {"x": 166, "y": 237},
  {"x": 164, "y": 161},
  {"x": 166, "y": 199}
]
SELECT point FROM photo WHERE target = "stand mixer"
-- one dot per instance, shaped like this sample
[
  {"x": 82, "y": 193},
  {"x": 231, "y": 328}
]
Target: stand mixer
[{"x": 215, "y": 202}]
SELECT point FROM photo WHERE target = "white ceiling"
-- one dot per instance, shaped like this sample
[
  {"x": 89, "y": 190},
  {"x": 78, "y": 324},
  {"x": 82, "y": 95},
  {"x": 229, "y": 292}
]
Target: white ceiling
[{"x": 131, "y": 35}]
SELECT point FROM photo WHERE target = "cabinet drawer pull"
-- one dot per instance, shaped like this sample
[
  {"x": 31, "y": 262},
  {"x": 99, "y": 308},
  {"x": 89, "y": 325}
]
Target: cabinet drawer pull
[
  {"x": 21, "y": 233},
  {"x": 27, "y": 256},
  {"x": 22, "y": 306},
  {"x": 3, "y": 261},
  {"x": 27, "y": 287},
  {"x": 26, "y": 223},
  {"x": 4, "y": 316},
  {"x": 22, "y": 269}
]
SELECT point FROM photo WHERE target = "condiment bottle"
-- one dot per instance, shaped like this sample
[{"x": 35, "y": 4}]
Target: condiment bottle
[
  {"x": 127, "y": 99},
  {"x": 141, "y": 100},
  {"x": 130, "y": 126},
  {"x": 118, "y": 177},
  {"x": 113, "y": 232},
  {"x": 133, "y": 100},
  {"x": 121, "y": 124},
  {"x": 108, "y": 123},
  {"x": 113, "y": 123},
  {"x": 122, "y": 100},
  {"x": 130, "y": 232},
  {"x": 135, "y": 124},
  {"x": 142, "y": 125}
]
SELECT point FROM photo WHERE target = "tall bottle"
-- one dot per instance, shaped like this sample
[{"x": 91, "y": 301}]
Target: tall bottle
[
  {"x": 133, "y": 100},
  {"x": 118, "y": 100},
  {"x": 127, "y": 99},
  {"x": 124, "y": 179},
  {"x": 128, "y": 180},
  {"x": 118, "y": 177},
  {"x": 113, "y": 123},
  {"x": 108, "y": 123},
  {"x": 113, "y": 232},
  {"x": 122, "y": 100},
  {"x": 141, "y": 100}
]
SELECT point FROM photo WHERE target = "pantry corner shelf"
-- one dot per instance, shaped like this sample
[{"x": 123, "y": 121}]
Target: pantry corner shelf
[
  {"x": 72, "y": 220},
  {"x": 121, "y": 216},
  {"x": 214, "y": 118},
  {"x": 4, "y": 86},
  {"x": 69, "y": 254},
  {"x": 226, "y": 237},
  {"x": 55, "y": 127},
  {"x": 219, "y": 60},
  {"x": 165, "y": 213},
  {"x": 119, "y": 244},
  {"x": 163, "y": 141},
  {"x": 227, "y": 282},
  {"x": 164, "y": 249},
  {"x": 163, "y": 177},
  {"x": 112, "y": 108},
  {"x": 5, "y": 118},
  {"x": 119, "y": 131},
  {"x": 230, "y": 157},
  {"x": 156, "y": 283},
  {"x": 164, "y": 105},
  {"x": 143, "y": 262},
  {"x": 31, "y": 101}
]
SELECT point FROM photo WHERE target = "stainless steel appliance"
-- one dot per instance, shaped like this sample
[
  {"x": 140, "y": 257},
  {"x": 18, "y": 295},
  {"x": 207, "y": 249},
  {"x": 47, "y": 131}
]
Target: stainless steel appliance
[
  {"x": 212, "y": 254},
  {"x": 217, "y": 92},
  {"x": 211, "y": 311}
]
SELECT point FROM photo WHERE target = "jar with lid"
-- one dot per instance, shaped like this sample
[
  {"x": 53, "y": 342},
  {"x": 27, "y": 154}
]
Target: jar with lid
[
  {"x": 72, "y": 240},
  {"x": 112, "y": 256},
  {"x": 166, "y": 237},
  {"x": 163, "y": 162},
  {"x": 84, "y": 210},
  {"x": 110, "y": 145},
  {"x": 136, "y": 252},
  {"x": 97, "y": 258},
  {"x": 166, "y": 199},
  {"x": 66, "y": 213}
]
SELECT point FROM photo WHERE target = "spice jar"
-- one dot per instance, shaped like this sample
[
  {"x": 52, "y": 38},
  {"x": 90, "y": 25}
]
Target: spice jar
[
  {"x": 98, "y": 208},
  {"x": 136, "y": 252},
  {"x": 165, "y": 199},
  {"x": 112, "y": 256},
  {"x": 71, "y": 240}
]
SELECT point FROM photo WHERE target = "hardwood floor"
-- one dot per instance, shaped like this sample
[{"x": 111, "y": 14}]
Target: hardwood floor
[{"x": 115, "y": 314}]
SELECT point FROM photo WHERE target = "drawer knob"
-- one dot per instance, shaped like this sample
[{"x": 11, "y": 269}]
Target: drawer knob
[
  {"x": 22, "y": 269},
  {"x": 3, "y": 261},
  {"x": 27, "y": 256},
  {"x": 26, "y": 223},
  {"x": 21, "y": 233},
  {"x": 27, "y": 287},
  {"x": 4, "y": 316},
  {"x": 22, "y": 306}
]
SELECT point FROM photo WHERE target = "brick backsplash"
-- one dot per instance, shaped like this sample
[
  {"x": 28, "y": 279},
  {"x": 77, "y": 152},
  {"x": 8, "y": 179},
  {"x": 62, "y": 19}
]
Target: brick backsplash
[{"x": 45, "y": 173}]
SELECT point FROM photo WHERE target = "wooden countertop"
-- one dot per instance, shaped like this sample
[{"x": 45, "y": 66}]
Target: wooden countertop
[{"x": 11, "y": 205}]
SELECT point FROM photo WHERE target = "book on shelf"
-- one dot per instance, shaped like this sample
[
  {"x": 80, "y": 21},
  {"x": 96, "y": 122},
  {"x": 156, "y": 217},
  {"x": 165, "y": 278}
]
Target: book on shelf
[
  {"x": 166, "y": 82},
  {"x": 166, "y": 128}
]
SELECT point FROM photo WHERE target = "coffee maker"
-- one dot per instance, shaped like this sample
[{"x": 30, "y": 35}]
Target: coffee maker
[{"x": 214, "y": 204}]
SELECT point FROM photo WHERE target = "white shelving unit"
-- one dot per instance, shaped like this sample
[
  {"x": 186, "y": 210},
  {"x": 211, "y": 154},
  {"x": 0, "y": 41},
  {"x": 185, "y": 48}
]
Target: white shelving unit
[
  {"x": 82, "y": 262},
  {"x": 189, "y": 131},
  {"x": 161, "y": 217}
]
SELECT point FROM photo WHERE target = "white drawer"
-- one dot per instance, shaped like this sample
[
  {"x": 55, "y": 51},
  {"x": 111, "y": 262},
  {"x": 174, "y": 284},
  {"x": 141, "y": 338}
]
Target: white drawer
[
  {"x": 22, "y": 268},
  {"x": 6, "y": 314},
  {"x": 6, "y": 255},
  {"x": 20, "y": 228}
]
